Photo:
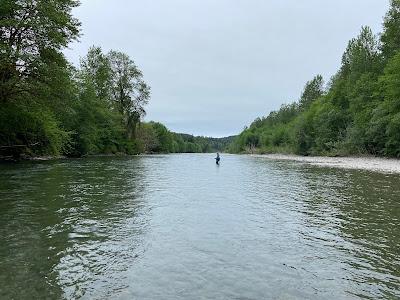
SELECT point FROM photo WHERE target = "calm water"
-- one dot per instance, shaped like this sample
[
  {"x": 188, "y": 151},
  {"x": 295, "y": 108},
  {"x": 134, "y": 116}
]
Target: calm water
[{"x": 179, "y": 227}]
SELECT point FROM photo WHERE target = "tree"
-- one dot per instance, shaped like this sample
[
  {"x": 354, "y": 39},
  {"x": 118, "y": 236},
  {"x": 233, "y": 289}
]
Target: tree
[
  {"x": 148, "y": 138},
  {"x": 362, "y": 55},
  {"x": 390, "y": 37},
  {"x": 390, "y": 83},
  {"x": 359, "y": 112},
  {"x": 312, "y": 91},
  {"x": 36, "y": 84},
  {"x": 33, "y": 32},
  {"x": 129, "y": 92},
  {"x": 164, "y": 137},
  {"x": 96, "y": 68}
]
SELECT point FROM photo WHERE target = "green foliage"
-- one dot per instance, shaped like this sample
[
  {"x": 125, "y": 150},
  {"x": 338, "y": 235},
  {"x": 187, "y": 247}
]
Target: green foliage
[
  {"x": 147, "y": 137},
  {"x": 32, "y": 34},
  {"x": 164, "y": 138},
  {"x": 391, "y": 35},
  {"x": 96, "y": 67},
  {"x": 361, "y": 56},
  {"x": 36, "y": 89},
  {"x": 30, "y": 131},
  {"x": 304, "y": 132},
  {"x": 358, "y": 114},
  {"x": 129, "y": 92},
  {"x": 312, "y": 91},
  {"x": 97, "y": 129},
  {"x": 47, "y": 107},
  {"x": 50, "y": 108},
  {"x": 154, "y": 137},
  {"x": 390, "y": 83}
]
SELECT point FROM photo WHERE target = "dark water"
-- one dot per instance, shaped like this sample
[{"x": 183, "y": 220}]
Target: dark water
[{"x": 178, "y": 227}]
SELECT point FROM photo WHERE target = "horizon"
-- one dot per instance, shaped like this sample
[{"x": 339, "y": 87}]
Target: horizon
[{"x": 212, "y": 76}]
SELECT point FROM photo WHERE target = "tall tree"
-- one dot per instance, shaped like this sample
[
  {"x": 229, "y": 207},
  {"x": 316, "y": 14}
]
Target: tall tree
[
  {"x": 362, "y": 55},
  {"x": 390, "y": 37},
  {"x": 312, "y": 91},
  {"x": 129, "y": 92},
  {"x": 95, "y": 66},
  {"x": 32, "y": 34},
  {"x": 390, "y": 83}
]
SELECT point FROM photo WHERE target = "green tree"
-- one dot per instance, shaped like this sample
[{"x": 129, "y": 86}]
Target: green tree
[
  {"x": 390, "y": 37},
  {"x": 96, "y": 128},
  {"x": 32, "y": 35},
  {"x": 362, "y": 55},
  {"x": 129, "y": 92},
  {"x": 164, "y": 138},
  {"x": 390, "y": 83},
  {"x": 358, "y": 113},
  {"x": 96, "y": 67},
  {"x": 148, "y": 138},
  {"x": 312, "y": 91},
  {"x": 36, "y": 87}
]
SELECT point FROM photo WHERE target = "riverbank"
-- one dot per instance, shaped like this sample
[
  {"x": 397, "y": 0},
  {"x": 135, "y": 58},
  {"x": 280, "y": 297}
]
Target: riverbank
[{"x": 376, "y": 164}]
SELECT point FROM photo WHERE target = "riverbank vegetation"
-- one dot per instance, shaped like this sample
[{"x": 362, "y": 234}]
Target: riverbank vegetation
[
  {"x": 50, "y": 107},
  {"x": 357, "y": 112},
  {"x": 154, "y": 137}
]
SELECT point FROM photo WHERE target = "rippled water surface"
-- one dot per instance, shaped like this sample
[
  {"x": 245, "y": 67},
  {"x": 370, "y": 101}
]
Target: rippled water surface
[{"x": 179, "y": 227}]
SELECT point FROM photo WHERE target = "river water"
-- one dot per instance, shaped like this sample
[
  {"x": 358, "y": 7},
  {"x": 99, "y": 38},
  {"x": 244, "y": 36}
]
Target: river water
[{"x": 180, "y": 227}]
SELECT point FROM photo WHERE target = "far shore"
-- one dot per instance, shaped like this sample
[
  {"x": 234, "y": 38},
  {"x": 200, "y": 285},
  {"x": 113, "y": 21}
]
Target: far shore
[{"x": 369, "y": 163}]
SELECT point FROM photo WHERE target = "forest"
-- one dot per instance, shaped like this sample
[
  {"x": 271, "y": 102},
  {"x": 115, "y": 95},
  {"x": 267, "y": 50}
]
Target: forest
[
  {"x": 356, "y": 113},
  {"x": 51, "y": 108}
]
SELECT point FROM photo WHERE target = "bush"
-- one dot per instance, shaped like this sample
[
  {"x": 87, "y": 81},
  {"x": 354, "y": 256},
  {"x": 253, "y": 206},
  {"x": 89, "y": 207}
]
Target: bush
[{"x": 31, "y": 132}]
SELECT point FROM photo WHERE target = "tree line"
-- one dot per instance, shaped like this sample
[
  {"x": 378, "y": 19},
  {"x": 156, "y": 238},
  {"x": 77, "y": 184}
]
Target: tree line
[
  {"x": 357, "y": 112},
  {"x": 156, "y": 138},
  {"x": 50, "y": 107}
]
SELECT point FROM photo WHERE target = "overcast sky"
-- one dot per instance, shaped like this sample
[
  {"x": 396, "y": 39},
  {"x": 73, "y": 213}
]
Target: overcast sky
[{"x": 216, "y": 65}]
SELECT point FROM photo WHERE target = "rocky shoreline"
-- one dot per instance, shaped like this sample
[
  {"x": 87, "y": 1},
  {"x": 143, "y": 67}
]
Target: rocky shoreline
[{"x": 376, "y": 164}]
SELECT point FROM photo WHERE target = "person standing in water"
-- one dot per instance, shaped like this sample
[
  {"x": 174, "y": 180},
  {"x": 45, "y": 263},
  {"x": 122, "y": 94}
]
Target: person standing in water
[{"x": 217, "y": 159}]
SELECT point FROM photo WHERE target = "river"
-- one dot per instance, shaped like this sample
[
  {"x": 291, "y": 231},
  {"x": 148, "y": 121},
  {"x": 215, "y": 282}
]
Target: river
[{"x": 180, "y": 227}]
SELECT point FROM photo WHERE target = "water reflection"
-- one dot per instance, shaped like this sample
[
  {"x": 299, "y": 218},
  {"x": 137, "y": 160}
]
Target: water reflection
[
  {"x": 66, "y": 224},
  {"x": 357, "y": 213}
]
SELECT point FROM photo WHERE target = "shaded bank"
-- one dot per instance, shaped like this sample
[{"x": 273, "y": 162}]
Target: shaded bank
[{"x": 153, "y": 138}]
